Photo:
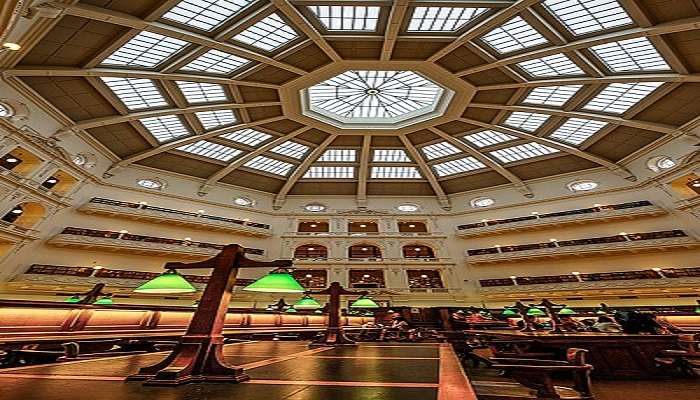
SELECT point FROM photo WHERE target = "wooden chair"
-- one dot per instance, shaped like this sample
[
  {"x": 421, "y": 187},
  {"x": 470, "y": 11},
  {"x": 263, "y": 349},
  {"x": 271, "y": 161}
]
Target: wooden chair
[
  {"x": 685, "y": 360},
  {"x": 534, "y": 379}
]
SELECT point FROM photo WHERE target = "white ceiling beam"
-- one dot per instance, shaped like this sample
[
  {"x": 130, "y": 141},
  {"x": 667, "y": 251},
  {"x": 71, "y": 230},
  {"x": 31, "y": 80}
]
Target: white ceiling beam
[
  {"x": 239, "y": 162},
  {"x": 484, "y": 26},
  {"x": 594, "y": 81},
  {"x": 651, "y": 126},
  {"x": 122, "y": 19},
  {"x": 396, "y": 17},
  {"x": 363, "y": 172},
  {"x": 111, "y": 120},
  {"x": 517, "y": 182},
  {"x": 281, "y": 196},
  {"x": 305, "y": 26},
  {"x": 615, "y": 168},
  {"x": 427, "y": 173},
  {"x": 129, "y": 73},
  {"x": 682, "y": 25}
]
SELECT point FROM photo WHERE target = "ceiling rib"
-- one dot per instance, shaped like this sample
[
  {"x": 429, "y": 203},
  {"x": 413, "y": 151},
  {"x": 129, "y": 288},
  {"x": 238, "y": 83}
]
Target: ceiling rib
[
  {"x": 594, "y": 81},
  {"x": 309, "y": 30},
  {"x": 281, "y": 196},
  {"x": 239, "y": 162},
  {"x": 427, "y": 173},
  {"x": 650, "y": 126},
  {"x": 117, "y": 18},
  {"x": 615, "y": 168},
  {"x": 661, "y": 29},
  {"x": 396, "y": 17},
  {"x": 517, "y": 182},
  {"x": 363, "y": 172}
]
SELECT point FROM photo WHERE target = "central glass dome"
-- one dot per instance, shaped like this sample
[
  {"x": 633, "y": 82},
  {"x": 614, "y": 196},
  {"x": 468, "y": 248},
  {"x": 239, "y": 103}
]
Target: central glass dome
[{"x": 375, "y": 99}]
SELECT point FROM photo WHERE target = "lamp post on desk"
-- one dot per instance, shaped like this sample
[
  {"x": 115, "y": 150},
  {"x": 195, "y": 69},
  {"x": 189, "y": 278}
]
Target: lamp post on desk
[{"x": 198, "y": 355}]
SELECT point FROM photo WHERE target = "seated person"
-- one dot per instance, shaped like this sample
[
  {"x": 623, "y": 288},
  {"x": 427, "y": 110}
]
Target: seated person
[
  {"x": 569, "y": 324},
  {"x": 369, "y": 331},
  {"x": 606, "y": 324},
  {"x": 459, "y": 315},
  {"x": 397, "y": 330}
]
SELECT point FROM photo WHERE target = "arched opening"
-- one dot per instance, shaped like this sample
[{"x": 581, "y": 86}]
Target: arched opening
[
  {"x": 311, "y": 278},
  {"x": 311, "y": 251},
  {"x": 418, "y": 251},
  {"x": 25, "y": 215},
  {"x": 364, "y": 251},
  {"x": 424, "y": 278},
  {"x": 412, "y": 226}
]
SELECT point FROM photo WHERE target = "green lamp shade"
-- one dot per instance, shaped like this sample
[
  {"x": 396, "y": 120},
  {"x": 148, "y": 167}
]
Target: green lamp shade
[
  {"x": 307, "y": 303},
  {"x": 104, "y": 301},
  {"x": 167, "y": 282},
  {"x": 276, "y": 282},
  {"x": 364, "y": 302},
  {"x": 535, "y": 312},
  {"x": 73, "y": 299},
  {"x": 509, "y": 313},
  {"x": 600, "y": 312},
  {"x": 566, "y": 311},
  {"x": 291, "y": 310},
  {"x": 697, "y": 310}
]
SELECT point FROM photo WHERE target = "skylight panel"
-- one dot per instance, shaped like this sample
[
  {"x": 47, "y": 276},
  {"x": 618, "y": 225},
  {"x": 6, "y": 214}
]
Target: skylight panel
[
  {"x": 291, "y": 149},
  {"x": 213, "y": 119},
  {"x": 576, "y": 130},
  {"x": 268, "y": 34},
  {"x": 554, "y": 65},
  {"x": 390, "y": 155},
  {"x": 395, "y": 173},
  {"x": 165, "y": 128},
  {"x": 211, "y": 150},
  {"x": 585, "y": 16},
  {"x": 248, "y": 136},
  {"x": 146, "y": 50},
  {"x": 442, "y": 19},
  {"x": 347, "y": 18},
  {"x": 488, "y": 138},
  {"x": 216, "y": 62},
  {"x": 136, "y": 93},
  {"x": 617, "y": 98},
  {"x": 522, "y": 152},
  {"x": 456, "y": 166},
  {"x": 552, "y": 95},
  {"x": 631, "y": 55},
  {"x": 270, "y": 165},
  {"x": 338, "y": 155},
  {"x": 514, "y": 35},
  {"x": 529, "y": 122},
  {"x": 205, "y": 14},
  {"x": 198, "y": 92},
  {"x": 330, "y": 173},
  {"x": 438, "y": 150}
]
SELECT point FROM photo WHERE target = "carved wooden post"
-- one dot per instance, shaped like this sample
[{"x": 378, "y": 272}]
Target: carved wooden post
[{"x": 334, "y": 334}]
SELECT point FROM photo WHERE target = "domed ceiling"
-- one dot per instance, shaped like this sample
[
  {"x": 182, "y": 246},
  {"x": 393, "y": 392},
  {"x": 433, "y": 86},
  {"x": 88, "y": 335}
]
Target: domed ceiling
[{"x": 364, "y": 98}]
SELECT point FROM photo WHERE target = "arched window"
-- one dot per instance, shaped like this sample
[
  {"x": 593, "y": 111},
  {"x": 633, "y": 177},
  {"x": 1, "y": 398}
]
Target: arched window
[
  {"x": 311, "y": 251},
  {"x": 364, "y": 251},
  {"x": 151, "y": 183},
  {"x": 418, "y": 251}
]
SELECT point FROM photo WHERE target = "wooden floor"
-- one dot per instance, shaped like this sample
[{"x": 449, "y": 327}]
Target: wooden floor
[{"x": 278, "y": 370}]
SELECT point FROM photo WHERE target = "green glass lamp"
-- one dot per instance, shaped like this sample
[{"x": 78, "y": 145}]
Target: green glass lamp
[
  {"x": 277, "y": 281},
  {"x": 291, "y": 310},
  {"x": 364, "y": 302},
  {"x": 307, "y": 303},
  {"x": 566, "y": 311},
  {"x": 368, "y": 314},
  {"x": 73, "y": 299},
  {"x": 509, "y": 312},
  {"x": 600, "y": 312},
  {"x": 697, "y": 310},
  {"x": 105, "y": 300},
  {"x": 169, "y": 281},
  {"x": 535, "y": 312}
]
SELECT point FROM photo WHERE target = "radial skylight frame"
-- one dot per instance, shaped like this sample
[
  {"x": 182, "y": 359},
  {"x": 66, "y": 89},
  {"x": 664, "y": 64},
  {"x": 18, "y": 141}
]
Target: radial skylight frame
[
  {"x": 269, "y": 34},
  {"x": 582, "y": 17},
  {"x": 375, "y": 99},
  {"x": 202, "y": 92},
  {"x": 336, "y": 18},
  {"x": 291, "y": 149},
  {"x": 526, "y": 121},
  {"x": 522, "y": 152},
  {"x": 390, "y": 156},
  {"x": 330, "y": 172},
  {"x": 442, "y": 19},
  {"x": 216, "y": 119},
  {"x": 247, "y": 136},
  {"x": 439, "y": 150},
  {"x": 631, "y": 55},
  {"x": 165, "y": 128},
  {"x": 394, "y": 172},
  {"x": 211, "y": 150},
  {"x": 514, "y": 35},
  {"x": 555, "y": 96},
  {"x": 216, "y": 62},
  {"x": 577, "y": 130},
  {"x": 147, "y": 50},
  {"x": 338, "y": 155},
  {"x": 551, "y": 66},
  {"x": 488, "y": 137},
  {"x": 136, "y": 93},
  {"x": 458, "y": 166},
  {"x": 270, "y": 165},
  {"x": 617, "y": 98},
  {"x": 206, "y": 15}
]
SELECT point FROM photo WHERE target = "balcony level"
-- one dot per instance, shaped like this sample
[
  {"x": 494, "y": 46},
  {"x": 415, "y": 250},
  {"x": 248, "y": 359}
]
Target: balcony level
[
  {"x": 372, "y": 261},
  {"x": 537, "y": 221},
  {"x": 15, "y": 233},
  {"x": 624, "y": 242},
  {"x": 137, "y": 244},
  {"x": 145, "y": 212},
  {"x": 377, "y": 235}
]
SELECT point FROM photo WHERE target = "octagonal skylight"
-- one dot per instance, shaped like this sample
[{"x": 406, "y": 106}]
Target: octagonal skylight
[{"x": 375, "y": 99}]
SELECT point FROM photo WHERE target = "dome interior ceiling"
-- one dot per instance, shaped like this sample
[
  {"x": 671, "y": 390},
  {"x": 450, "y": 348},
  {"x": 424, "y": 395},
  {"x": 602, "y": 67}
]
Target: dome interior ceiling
[{"x": 198, "y": 88}]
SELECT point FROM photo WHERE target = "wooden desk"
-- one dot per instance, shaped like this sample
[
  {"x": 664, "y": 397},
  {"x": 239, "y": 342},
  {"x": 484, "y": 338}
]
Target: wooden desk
[{"x": 613, "y": 356}]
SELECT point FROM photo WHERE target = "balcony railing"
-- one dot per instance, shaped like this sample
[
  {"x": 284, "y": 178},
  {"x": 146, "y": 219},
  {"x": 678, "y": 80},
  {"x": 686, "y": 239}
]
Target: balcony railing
[
  {"x": 16, "y": 230},
  {"x": 168, "y": 215},
  {"x": 577, "y": 216},
  {"x": 622, "y": 242},
  {"x": 365, "y": 234},
  {"x": 376, "y": 260},
  {"x": 109, "y": 240}
]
